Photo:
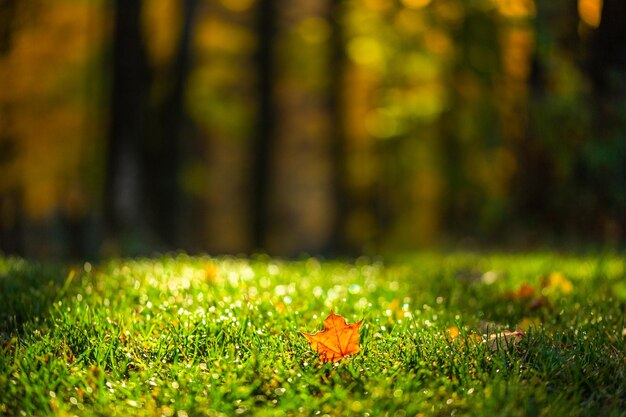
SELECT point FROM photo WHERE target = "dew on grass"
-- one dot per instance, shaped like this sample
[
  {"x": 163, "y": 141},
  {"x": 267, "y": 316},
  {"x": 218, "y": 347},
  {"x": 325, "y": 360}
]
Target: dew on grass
[
  {"x": 356, "y": 406},
  {"x": 362, "y": 304},
  {"x": 317, "y": 292},
  {"x": 354, "y": 289},
  {"x": 273, "y": 269}
]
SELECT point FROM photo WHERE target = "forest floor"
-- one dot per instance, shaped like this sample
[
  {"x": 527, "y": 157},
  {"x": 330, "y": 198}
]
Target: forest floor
[{"x": 443, "y": 334}]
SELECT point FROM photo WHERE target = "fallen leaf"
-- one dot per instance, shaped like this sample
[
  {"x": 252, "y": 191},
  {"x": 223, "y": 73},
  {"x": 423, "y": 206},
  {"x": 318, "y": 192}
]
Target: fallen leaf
[
  {"x": 210, "y": 272},
  {"x": 523, "y": 292},
  {"x": 538, "y": 303},
  {"x": 527, "y": 323},
  {"x": 504, "y": 340},
  {"x": 454, "y": 332},
  {"x": 555, "y": 283},
  {"x": 337, "y": 340}
]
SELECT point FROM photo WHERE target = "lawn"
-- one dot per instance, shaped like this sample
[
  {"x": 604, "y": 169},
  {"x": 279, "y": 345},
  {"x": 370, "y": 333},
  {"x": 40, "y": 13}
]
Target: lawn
[{"x": 456, "y": 334}]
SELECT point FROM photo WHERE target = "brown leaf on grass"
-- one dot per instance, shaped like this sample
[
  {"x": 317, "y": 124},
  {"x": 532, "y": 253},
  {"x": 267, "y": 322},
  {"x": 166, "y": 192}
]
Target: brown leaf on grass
[
  {"x": 504, "y": 340},
  {"x": 523, "y": 292},
  {"x": 501, "y": 340},
  {"x": 527, "y": 295},
  {"x": 337, "y": 340}
]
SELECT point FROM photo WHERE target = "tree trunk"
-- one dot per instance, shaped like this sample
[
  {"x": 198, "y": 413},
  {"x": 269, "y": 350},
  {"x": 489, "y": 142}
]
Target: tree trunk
[
  {"x": 11, "y": 217},
  {"x": 123, "y": 189},
  {"x": 606, "y": 166},
  {"x": 165, "y": 149},
  {"x": 264, "y": 141},
  {"x": 339, "y": 244}
]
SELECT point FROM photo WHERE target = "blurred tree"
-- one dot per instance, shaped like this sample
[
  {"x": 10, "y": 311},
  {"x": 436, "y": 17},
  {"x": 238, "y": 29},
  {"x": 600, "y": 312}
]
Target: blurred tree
[
  {"x": 166, "y": 145},
  {"x": 606, "y": 152},
  {"x": 11, "y": 218},
  {"x": 10, "y": 201},
  {"x": 222, "y": 102},
  {"x": 469, "y": 125},
  {"x": 301, "y": 207},
  {"x": 317, "y": 126},
  {"x": 123, "y": 205},
  {"x": 44, "y": 102},
  {"x": 8, "y": 9},
  {"x": 263, "y": 148},
  {"x": 338, "y": 244}
]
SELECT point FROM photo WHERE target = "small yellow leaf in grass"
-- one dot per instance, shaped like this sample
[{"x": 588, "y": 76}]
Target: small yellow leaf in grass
[
  {"x": 555, "y": 283},
  {"x": 210, "y": 272},
  {"x": 453, "y": 331},
  {"x": 527, "y": 323}
]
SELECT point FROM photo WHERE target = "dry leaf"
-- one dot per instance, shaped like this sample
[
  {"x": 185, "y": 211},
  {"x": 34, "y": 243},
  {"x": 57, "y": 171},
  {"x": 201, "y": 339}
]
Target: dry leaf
[
  {"x": 527, "y": 323},
  {"x": 337, "y": 340},
  {"x": 504, "y": 340},
  {"x": 523, "y": 292},
  {"x": 557, "y": 283},
  {"x": 454, "y": 332}
]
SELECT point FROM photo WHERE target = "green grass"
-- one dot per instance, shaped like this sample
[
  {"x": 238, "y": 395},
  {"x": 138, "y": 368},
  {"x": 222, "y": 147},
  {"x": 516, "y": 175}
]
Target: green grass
[{"x": 182, "y": 336}]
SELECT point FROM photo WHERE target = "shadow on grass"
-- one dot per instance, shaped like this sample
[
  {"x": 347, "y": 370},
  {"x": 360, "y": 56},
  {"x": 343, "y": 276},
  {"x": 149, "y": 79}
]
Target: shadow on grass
[{"x": 27, "y": 290}]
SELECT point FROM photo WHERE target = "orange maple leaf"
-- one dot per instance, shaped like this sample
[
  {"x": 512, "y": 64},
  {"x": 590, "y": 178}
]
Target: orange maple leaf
[{"x": 337, "y": 340}]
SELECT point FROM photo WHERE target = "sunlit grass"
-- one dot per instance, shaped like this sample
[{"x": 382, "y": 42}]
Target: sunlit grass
[{"x": 182, "y": 336}]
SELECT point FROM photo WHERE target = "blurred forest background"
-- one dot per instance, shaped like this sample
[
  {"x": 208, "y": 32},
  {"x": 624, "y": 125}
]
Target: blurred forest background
[{"x": 319, "y": 126}]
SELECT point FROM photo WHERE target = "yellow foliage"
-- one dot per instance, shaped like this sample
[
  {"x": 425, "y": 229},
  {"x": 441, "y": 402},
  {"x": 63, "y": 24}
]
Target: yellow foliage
[
  {"x": 314, "y": 30},
  {"x": 217, "y": 35},
  {"x": 517, "y": 49},
  {"x": 416, "y": 4},
  {"x": 378, "y": 5},
  {"x": 161, "y": 21},
  {"x": 44, "y": 96},
  {"x": 590, "y": 12},
  {"x": 367, "y": 51},
  {"x": 517, "y": 8},
  {"x": 237, "y": 5}
]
